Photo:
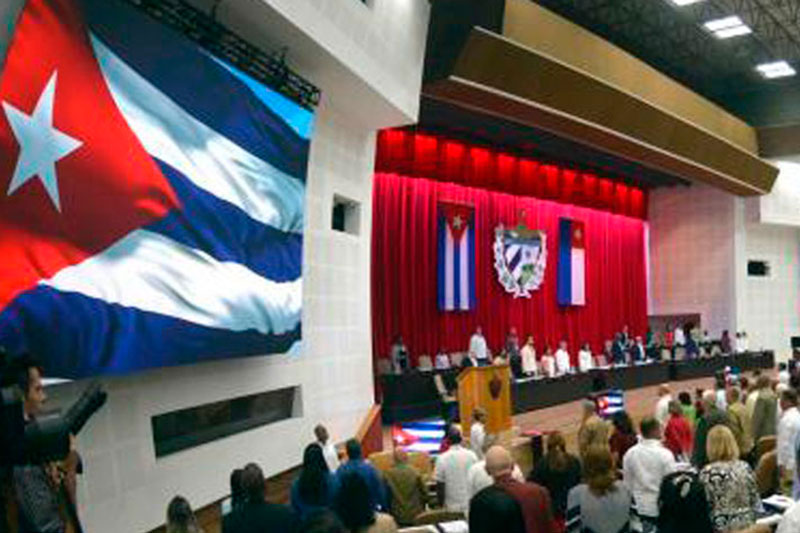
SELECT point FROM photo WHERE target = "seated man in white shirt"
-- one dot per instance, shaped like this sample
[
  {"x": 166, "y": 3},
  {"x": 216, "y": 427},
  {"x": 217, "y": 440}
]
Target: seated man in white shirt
[
  {"x": 548, "y": 363},
  {"x": 643, "y": 468},
  {"x": 585, "y": 360},
  {"x": 563, "y": 363},
  {"x": 528, "y": 354},
  {"x": 442, "y": 361},
  {"x": 450, "y": 473}
]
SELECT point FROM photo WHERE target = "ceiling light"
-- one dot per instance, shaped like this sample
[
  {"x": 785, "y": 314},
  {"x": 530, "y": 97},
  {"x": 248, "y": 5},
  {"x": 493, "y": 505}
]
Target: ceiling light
[
  {"x": 776, "y": 69},
  {"x": 684, "y": 2},
  {"x": 727, "y": 27}
]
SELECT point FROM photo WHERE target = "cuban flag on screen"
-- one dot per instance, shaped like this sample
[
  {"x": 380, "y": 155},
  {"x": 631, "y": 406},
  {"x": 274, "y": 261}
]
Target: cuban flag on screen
[
  {"x": 571, "y": 262},
  {"x": 151, "y": 197},
  {"x": 456, "y": 242}
]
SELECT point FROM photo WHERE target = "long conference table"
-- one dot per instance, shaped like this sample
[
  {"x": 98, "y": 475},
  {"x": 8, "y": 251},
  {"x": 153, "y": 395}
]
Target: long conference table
[{"x": 413, "y": 396}]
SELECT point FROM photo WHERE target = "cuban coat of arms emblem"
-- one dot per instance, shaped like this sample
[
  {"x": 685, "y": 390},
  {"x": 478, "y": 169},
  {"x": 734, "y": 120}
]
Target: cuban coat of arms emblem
[{"x": 520, "y": 257}]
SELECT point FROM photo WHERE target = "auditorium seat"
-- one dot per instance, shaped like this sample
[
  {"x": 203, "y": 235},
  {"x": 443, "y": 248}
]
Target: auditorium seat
[
  {"x": 767, "y": 474},
  {"x": 765, "y": 445},
  {"x": 425, "y": 364}
]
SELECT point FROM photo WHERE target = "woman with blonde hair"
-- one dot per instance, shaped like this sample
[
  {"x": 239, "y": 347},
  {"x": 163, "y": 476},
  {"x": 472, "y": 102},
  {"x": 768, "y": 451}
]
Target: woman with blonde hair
[
  {"x": 602, "y": 504},
  {"x": 729, "y": 483}
]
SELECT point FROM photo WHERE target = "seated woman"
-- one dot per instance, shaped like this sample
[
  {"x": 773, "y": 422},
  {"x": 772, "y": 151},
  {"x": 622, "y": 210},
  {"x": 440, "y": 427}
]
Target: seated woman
[
  {"x": 316, "y": 487},
  {"x": 352, "y": 505},
  {"x": 730, "y": 485},
  {"x": 602, "y": 504}
]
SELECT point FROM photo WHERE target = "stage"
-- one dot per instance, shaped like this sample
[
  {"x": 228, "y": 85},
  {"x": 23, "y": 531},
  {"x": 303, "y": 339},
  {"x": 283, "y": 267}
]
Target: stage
[{"x": 413, "y": 396}]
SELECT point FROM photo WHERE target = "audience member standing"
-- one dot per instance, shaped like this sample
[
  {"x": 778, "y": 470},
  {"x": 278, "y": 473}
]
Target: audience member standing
[
  {"x": 477, "y": 346},
  {"x": 407, "y": 491},
  {"x": 712, "y": 416},
  {"x": 257, "y": 515},
  {"x": 765, "y": 411},
  {"x": 558, "y": 472},
  {"x": 354, "y": 506},
  {"x": 477, "y": 431},
  {"x": 548, "y": 363},
  {"x": 623, "y": 438},
  {"x": 752, "y": 395},
  {"x": 478, "y": 478},
  {"x": 602, "y": 504},
  {"x": 740, "y": 423},
  {"x": 509, "y": 506},
  {"x": 328, "y": 449},
  {"x": 451, "y": 471},
  {"x": 399, "y": 355},
  {"x": 180, "y": 518},
  {"x": 688, "y": 408},
  {"x": 357, "y": 465},
  {"x": 678, "y": 433},
  {"x": 730, "y": 486},
  {"x": 316, "y": 487},
  {"x": 594, "y": 431},
  {"x": 725, "y": 343},
  {"x": 788, "y": 430},
  {"x": 683, "y": 504},
  {"x": 662, "y": 406},
  {"x": 644, "y": 466},
  {"x": 528, "y": 353}
]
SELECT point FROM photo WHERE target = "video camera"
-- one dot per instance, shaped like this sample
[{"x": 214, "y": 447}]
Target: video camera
[{"x": 46, "y": 438}]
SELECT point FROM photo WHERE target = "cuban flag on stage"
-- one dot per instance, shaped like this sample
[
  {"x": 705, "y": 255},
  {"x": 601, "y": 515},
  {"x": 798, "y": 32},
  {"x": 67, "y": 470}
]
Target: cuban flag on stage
[
  {"x": 151, "y": 197},
  {"x": 571, "y": 262},
  {"x": 456, "y": 242}
]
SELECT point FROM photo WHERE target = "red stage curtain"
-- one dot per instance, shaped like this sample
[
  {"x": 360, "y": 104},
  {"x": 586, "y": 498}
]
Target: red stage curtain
[{"x": 404, "y": 270}]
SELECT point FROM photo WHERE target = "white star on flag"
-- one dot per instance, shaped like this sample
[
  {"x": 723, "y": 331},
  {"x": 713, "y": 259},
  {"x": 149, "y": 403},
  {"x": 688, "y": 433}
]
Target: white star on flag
[
  {"x": 41, "y": 144},
  {"x": 457, "y": 222}
]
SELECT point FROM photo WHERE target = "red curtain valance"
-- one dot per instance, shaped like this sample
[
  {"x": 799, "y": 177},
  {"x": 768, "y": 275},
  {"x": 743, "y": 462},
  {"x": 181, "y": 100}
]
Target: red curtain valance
[{"x": 420, "y": 155}]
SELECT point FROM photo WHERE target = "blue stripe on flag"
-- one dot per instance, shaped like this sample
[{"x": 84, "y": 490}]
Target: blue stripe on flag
[
  {"x": 224, "y": 231},
  {"x": 456, "y": 271},
  {"x": 440, "y": 253},
  {"x": 471, "y": 263},
  {"x": 564, "y": 262},
  {"x": 226, "y": 104},
  {"x": 86, "y": 336}
]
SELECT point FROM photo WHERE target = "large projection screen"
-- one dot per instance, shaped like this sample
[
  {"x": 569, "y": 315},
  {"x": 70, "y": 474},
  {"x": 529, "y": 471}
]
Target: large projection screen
[{"x": 151, "y": 197}]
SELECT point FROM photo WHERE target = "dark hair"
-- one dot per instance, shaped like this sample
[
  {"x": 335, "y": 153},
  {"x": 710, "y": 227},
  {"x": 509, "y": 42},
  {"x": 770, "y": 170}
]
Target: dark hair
[
  {"x": 253, "y": 483},
  {"x": 789, "y": 396},
  {"x": 313, "y": 482},
  {"x": 322, "y": 521},
  {"x": 353, "y": 449},
  {"x": 623, "y": 423},
  {"x": 648, "y": 426},
  {"x": 685, "y": 398},
  {"x": 683, "y": 506},
  {"x": 19, "y": 371},
  {"x": 454, "y": 435},
  {"x": 353, "y": 503},
  {"x": 180, "y": 518},
  {"x": 237, "y": 492}
]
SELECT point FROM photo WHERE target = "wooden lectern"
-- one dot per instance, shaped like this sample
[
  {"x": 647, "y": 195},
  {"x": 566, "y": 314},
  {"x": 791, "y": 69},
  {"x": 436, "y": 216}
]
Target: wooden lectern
[{"x": 488, "y": 387}]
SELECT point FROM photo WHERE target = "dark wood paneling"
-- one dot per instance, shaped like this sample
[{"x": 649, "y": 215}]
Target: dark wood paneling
[{"x": 779, "y": 141}]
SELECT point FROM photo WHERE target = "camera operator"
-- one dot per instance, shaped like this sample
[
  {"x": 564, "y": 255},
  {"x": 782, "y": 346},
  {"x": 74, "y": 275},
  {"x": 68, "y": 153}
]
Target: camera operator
[{"x": 44, "y": 492}]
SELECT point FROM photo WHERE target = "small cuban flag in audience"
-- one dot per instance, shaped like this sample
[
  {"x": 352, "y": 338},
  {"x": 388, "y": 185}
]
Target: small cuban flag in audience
[
  {"x": 456, "y": 240},
  {"x": 571, "y": 263}
]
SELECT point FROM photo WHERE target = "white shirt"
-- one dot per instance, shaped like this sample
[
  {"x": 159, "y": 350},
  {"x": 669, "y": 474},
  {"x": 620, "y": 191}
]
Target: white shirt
[
  {"x": 788, "y": 428},
  {"x": 662, "y": 409},
  {"x": 528, "y": 354},
  {"x": 585, "y": 362},
  {"x": 331, "y": 457},
  {"x": 549, "y": 365},
  {"x": 722, "y": 400},
  {"x": 643, "y": 467},
  {"x": 791, "y": 520},
  {"x": 478, "y": 478},
  {"x": 477, "y": 345},
  {"x": 477, "y": 434},
  {"x": 442, "y": 361},
  {"x": 562, "y": 362},
  {"x": 452, "y": 468},
  {"x": 680, "y": 337}
]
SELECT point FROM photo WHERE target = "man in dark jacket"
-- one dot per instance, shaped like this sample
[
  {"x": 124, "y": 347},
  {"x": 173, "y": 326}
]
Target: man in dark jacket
[
  {"x": 713, "y": 416},
  {"x": 257, "y": 515}
]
